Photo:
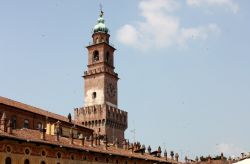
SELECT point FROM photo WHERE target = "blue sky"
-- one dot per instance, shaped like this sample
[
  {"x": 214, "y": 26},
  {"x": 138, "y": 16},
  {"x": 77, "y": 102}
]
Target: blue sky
[{"x": 184, "y": 65}]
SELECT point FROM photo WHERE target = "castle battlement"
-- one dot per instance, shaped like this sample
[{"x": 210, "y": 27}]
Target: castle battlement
[
  {"x": 106, "y": 110},
  {"x": 100, "y": 70},
  {"x": 104, "y": 115}
]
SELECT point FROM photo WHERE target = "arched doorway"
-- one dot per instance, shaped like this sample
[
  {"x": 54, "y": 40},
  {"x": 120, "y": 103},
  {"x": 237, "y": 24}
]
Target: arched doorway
[
  {"x": 8, "y": 160},
  {"x": 26, "y": 161}
]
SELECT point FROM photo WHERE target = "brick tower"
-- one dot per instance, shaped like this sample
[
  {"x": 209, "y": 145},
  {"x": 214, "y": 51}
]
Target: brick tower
[{"x": 100, "y": 111}]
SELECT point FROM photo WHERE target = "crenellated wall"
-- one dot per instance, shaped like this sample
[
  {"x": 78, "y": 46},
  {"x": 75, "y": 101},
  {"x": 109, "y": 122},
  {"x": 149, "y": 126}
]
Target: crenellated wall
[
  {"x": 94, "y": 71},
  {"x": 104, "y": 119}
]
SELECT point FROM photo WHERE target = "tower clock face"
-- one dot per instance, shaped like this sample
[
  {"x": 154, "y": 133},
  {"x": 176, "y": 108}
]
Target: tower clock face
[{"x": 111, "y": 90}]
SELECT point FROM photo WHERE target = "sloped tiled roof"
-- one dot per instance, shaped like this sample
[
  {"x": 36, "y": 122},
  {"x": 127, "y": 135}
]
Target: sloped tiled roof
[
  {"x": 39, "y": 111},
  {"x": 29, "y": 135}
]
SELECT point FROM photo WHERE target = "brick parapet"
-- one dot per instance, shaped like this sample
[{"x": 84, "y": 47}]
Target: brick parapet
[
  {"x": 105, "y": 113},
  {"x": 103, "y": 119},
  {"x": 100, "y": 70}
]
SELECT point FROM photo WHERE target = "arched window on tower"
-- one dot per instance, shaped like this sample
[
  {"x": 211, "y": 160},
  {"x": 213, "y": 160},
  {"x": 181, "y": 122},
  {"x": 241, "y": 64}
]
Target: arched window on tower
[
  {"x": 96, "y": 56},
  {"x": 8, "y": 160},
  {"x": 93, "y": 95},
  {"x": 107, "y": 57}
]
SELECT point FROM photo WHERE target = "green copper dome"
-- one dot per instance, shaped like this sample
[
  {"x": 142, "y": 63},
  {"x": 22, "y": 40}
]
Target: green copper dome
[{"x": 100, "y": 26}]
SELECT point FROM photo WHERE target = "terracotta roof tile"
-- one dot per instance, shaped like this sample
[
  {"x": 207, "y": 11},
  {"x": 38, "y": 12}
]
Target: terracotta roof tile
[
  {"x": 36, "y": 110},
  {"x": 34, "y": 136}
]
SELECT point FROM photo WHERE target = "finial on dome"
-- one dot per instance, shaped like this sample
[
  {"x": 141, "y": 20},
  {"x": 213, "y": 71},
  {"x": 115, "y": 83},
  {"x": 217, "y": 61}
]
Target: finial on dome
[
  {"x": 101, "y": 11},
  {"x": 101, "y": 14},
  {"x": 100, "y": 26}
]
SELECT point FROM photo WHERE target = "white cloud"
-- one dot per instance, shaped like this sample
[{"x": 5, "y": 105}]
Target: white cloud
[
  {"x": 234, "y": 7},
  {"x": 229, "y": 149},
  {"x": 160, "y": 28},
  {"x": 123, "y": 36},
  {"x": 199, "y": 33}
]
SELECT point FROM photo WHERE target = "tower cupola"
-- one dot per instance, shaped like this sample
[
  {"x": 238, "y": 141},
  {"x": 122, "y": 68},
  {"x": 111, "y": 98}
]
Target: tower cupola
[{"x": 100, "y": 26}]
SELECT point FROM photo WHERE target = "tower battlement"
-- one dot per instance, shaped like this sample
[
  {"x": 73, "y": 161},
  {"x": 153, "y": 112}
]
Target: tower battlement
[
  {"x": 98, "y": 115},
  {"x": 100, "y": 70}
]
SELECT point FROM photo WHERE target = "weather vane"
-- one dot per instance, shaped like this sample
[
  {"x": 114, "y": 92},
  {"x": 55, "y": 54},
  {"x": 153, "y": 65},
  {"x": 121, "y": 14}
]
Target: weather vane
[{"x": 101, "y": 12}]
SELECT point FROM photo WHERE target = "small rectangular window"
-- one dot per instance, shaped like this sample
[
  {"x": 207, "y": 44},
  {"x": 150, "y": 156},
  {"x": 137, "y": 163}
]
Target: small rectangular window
[{"x": 26, "y": 124}]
